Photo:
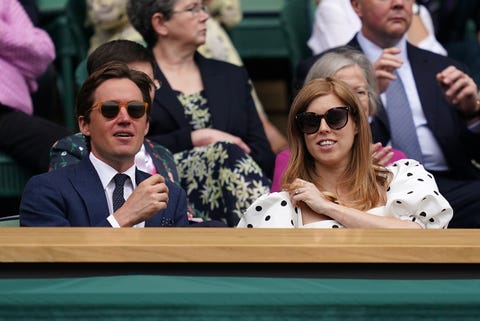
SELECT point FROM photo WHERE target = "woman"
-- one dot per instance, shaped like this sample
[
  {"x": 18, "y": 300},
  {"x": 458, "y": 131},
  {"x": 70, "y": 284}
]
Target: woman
[
  {"x": 26, "y": 52},
  {"x": 331, "y": 180},
  {"x": 354, "y": 68},
  {"x": 203, "y": 112},
  {"x": 228, "y": 13}
]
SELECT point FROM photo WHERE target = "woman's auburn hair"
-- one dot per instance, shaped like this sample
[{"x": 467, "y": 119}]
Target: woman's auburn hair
[{"x": 367, "y": 182}]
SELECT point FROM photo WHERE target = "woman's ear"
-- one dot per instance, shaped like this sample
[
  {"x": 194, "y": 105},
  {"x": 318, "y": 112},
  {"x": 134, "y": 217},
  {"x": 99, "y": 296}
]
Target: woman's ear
[{"x": 158, "y": 24}]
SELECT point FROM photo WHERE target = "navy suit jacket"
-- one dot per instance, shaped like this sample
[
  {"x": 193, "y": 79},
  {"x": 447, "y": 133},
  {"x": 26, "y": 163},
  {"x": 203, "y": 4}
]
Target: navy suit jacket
[
  {"x": 74, "y": 196},
  {"x": 459, "y": 145},
  {"x": 231, "y": 106}
]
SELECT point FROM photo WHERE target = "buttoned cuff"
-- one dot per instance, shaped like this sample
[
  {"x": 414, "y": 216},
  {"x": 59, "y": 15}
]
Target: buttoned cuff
[
  {"x": 113, "y": 222},
  {"x": 475, "y": 127}
]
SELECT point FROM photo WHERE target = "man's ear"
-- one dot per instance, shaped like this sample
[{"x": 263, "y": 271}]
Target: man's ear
[
  {"x": 159, "y": 24},
  {"x": 356, "y": 6},
  {"x": 147, "y": 128},
  {"x": 83, "y": 125}
]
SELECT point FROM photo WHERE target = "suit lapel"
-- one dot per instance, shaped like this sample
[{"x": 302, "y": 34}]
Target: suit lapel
[
  {"x": 354, "y": 43},
  {"x": 426, "y": 86},
  {"x": 165, "y": 96},
  {"x": 89, "y": 187},
  {"x": 217, "y": 97}
]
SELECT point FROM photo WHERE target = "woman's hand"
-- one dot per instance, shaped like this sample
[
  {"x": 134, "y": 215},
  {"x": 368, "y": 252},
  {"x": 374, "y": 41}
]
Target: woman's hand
[
  {"x": 308, "y": 193},
  {"x": 207, "y": 136},
  {"x": 381, "y": 155}
]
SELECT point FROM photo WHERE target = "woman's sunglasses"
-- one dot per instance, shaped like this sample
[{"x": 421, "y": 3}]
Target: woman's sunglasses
[
  {"x": 110, "y": 109},
  {"x": 336, "y": 119}
]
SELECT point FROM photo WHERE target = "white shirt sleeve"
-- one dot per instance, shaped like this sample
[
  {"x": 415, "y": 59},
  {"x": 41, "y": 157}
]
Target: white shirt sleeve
[{"x": 335, "y": 25}]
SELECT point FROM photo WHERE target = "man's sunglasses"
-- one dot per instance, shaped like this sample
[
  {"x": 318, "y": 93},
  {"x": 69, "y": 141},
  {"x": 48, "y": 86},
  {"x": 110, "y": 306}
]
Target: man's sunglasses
[
  {"x": 110, "y": 109},
  {"x": 336, "y": 119}
]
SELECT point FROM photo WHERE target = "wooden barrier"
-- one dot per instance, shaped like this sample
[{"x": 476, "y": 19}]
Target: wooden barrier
[
  {"x": 229, "y": 245},
  {"x": 227, "y": 274}
]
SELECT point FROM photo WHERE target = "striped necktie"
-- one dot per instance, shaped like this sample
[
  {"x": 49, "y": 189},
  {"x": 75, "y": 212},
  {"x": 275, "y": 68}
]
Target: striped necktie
[
  {"x": 402, "y": 129},
  {"x": 117, "y": 196}
]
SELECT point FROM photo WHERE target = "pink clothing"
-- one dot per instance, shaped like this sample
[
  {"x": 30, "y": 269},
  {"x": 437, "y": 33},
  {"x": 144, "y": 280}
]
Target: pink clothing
[
  {"x": 281, "y": 162},
  {"x": 25, "y": 53}
]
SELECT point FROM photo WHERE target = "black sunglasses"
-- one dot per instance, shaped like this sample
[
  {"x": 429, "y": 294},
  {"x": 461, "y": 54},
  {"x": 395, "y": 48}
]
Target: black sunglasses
[
  {"x": 336, "y": 119},
  {"x": 110, "y": 109}
]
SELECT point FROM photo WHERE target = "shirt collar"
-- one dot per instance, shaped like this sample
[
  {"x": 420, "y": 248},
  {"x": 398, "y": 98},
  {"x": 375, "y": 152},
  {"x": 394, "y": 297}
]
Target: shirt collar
[
  {"x": 373, "y": 52},
  {"x": 106, "y": 172}
]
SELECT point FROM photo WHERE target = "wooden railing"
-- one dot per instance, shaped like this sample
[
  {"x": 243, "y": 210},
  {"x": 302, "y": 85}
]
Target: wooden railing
[{"x": 229, "y": 245}]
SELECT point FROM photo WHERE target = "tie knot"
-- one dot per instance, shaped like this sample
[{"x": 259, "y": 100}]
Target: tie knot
[{"x": 120, "y": 179}]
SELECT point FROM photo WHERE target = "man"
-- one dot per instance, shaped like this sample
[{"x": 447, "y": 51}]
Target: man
[
  {"x": 442, "y": 100},
  {"x": 152, "y": 157},
  {"x": 112, "y": 110}
]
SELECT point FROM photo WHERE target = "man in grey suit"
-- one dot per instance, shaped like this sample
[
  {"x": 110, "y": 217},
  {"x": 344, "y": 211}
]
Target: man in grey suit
[{"x": 105, "y": 188}]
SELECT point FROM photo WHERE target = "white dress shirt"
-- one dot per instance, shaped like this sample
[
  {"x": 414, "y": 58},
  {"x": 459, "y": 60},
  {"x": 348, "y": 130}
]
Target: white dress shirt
[
  {"x": 106, "y": 174},
  {"x": 433, "y": 158},
  {"x": 336, "y": 23}
]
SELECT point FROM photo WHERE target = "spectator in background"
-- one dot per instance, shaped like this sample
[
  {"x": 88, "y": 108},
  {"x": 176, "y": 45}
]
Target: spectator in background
[
  {"x": 46, "y": 99},
  {"x": 112, "y": 107},
  {"x": 441, "y": 97},
  {"x": 336, "y": 23},
  {"x": 26, "y": 52},
  {"x": 152, "y": 158},
  {"x": 228, "y": 13},
  {"x": 331, "y": 181},
  {"x": 109, "y": 21},
  {"x": 354, "y": 68},
  {"x": 203, "y": 112}
]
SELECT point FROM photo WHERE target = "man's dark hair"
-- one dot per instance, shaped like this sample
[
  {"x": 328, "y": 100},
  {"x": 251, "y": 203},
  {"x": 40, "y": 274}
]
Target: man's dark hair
[
  {"x": 122, "y": 50},
  {"x": 86, "y": 93}
]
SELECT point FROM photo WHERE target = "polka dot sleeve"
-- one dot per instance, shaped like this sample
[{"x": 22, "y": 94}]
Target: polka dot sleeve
[
  {"x": 413, "y": 195},
  {"x": 271, "y": 210}
]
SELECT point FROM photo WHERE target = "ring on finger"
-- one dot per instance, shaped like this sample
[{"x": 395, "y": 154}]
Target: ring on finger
[{"x": 296, "y": 191}]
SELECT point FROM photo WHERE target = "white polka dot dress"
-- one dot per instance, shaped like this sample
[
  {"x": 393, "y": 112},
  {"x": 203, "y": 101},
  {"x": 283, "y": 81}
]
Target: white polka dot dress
[{"x": 412, "y": 195}]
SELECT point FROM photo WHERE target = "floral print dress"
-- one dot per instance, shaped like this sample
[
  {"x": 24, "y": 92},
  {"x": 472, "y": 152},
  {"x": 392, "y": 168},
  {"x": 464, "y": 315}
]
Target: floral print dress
[{"x": 220, "y": 179}]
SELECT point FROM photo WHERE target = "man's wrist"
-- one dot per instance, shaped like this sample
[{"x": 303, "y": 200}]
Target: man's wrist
[{"x": 475, "y": 113}]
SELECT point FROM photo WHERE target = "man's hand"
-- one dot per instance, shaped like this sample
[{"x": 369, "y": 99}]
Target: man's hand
[
  {"x": 148, "y": 198},
  {"x": 384, "y": 67},
  {"x": 460, "y": 89},
  {"x": 206, "y": 136}
]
